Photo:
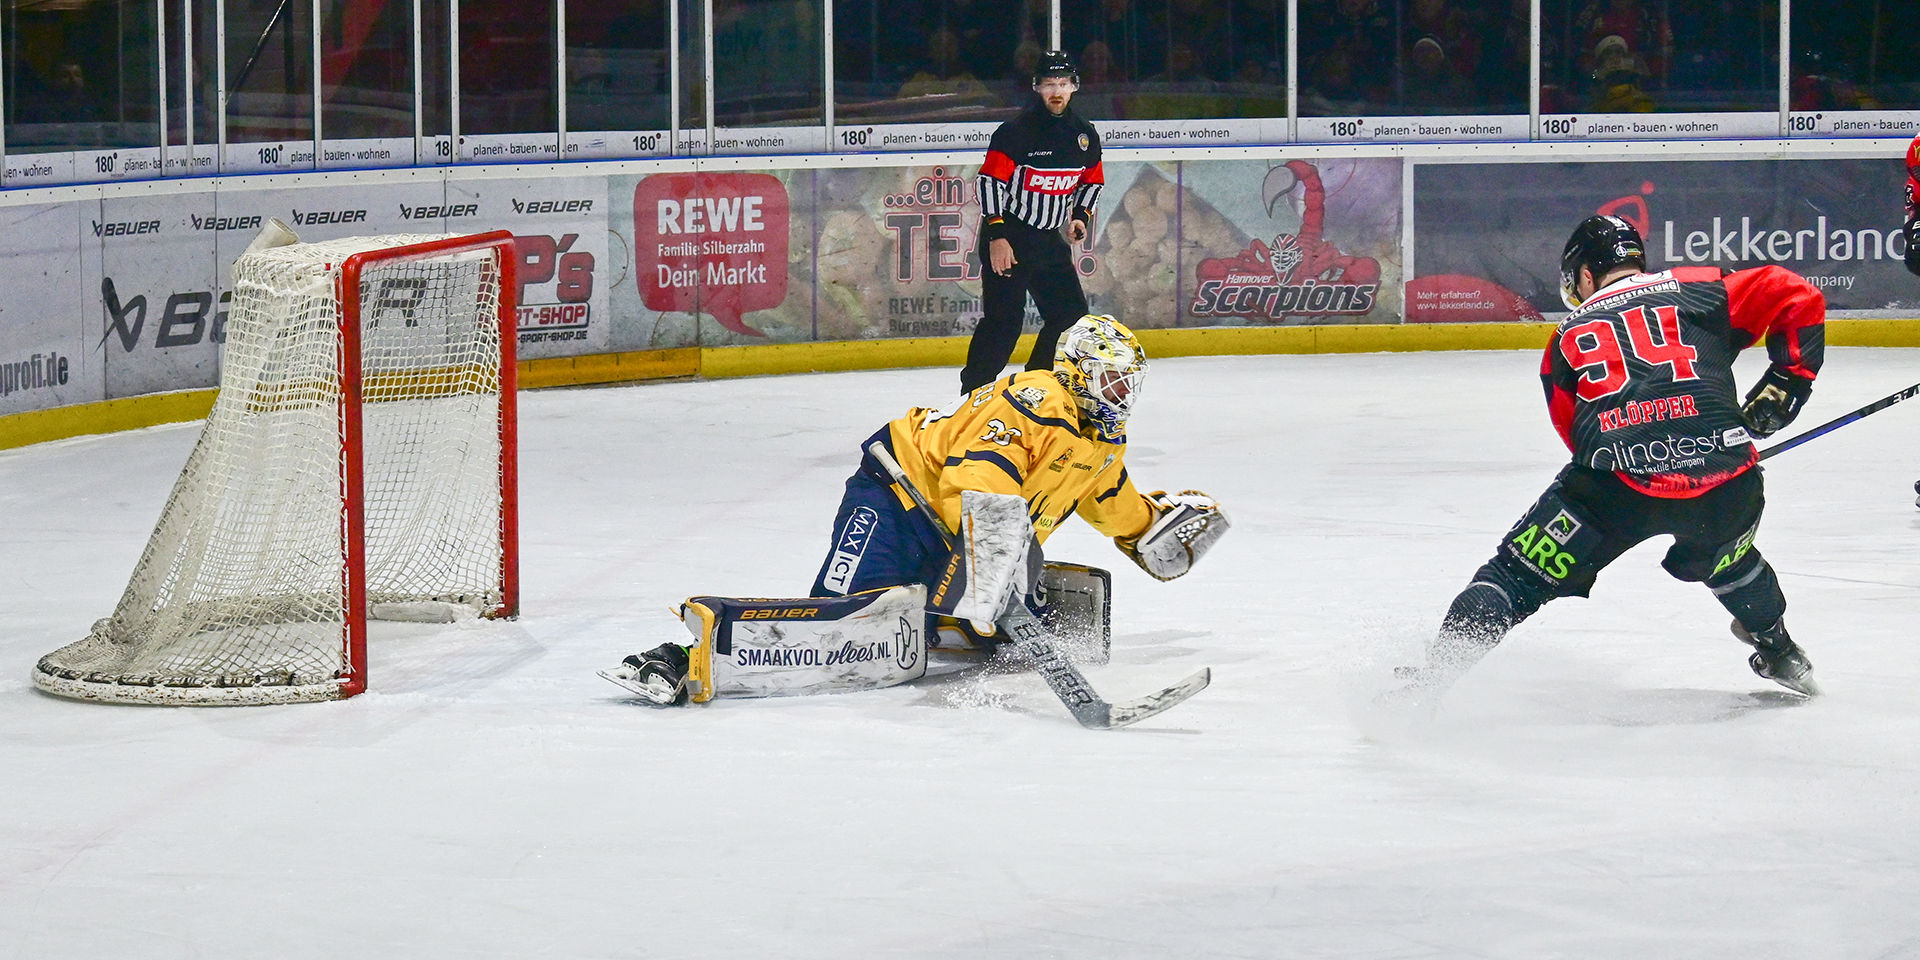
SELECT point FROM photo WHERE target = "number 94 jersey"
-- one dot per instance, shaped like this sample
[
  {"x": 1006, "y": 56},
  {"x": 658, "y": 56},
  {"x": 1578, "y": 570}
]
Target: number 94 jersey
[{"x": 1639, "y": 380}]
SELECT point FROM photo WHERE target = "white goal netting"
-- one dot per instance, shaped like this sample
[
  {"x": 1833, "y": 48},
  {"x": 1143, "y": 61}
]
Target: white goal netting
[{"x": 243, "y": 592}]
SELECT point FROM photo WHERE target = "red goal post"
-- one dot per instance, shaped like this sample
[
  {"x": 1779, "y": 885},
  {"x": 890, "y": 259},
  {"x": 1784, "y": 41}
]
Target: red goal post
[
  {"x": 360, "y": 463},
  {"x": 353, "y": 468}
]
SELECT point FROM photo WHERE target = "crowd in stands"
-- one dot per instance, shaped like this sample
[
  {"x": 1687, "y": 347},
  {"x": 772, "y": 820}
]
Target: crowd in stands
[{"x": 970, "y": 60}]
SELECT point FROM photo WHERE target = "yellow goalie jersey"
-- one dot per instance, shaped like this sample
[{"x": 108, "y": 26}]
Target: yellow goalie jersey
[{"x": 1020, "y": 435}]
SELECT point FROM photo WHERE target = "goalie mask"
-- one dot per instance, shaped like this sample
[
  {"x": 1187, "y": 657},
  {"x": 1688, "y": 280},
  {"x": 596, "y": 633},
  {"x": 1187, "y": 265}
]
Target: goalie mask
[{"x": 1102, "y": 365}]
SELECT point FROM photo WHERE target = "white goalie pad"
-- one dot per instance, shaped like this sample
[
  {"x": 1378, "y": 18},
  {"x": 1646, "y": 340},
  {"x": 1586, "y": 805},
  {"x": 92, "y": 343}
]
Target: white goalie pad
[
  {"x": 1077, "y": 610},
  {"x": 995, "y": 557},
  {"x": 786, "y": 648},
  {"x": 1187, "y": 527}
]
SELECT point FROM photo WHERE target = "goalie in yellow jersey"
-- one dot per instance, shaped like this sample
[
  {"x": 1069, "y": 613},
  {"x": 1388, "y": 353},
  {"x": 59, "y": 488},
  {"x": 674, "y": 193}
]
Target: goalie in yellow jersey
[{"x": 1002, "y": 467}]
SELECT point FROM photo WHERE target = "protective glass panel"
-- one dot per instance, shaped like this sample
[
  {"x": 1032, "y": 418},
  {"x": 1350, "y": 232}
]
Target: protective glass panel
[
  {"x": 1413, "y": 57},
  {"x": 618, "y": 79},
  {"x": 1178, "y": 59},
  {"x": 507, "y": 74},
  {"x": 933, "y": 61},
  {"x": 1856, "y": 55},
  {"x": 80, "y": 76},
  {"x": 767, "y": 63},
  {"x": 1659, "y": 56},
  {"x": 693, "y": 73},
  {"x": 366, "y": 70},
  {"x": 269, "y": 84}
]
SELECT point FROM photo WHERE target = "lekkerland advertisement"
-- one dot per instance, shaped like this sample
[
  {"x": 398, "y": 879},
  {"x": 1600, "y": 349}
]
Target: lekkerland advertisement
[
  {"x": 46, "y": 358},
  {"x": 1488, "y": 236}
]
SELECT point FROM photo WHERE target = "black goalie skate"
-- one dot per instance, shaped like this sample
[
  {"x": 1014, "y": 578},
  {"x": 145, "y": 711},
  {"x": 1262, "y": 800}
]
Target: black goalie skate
[
  {"x": 1777, "y": 658},
  {"x": 658, "y": 676}
]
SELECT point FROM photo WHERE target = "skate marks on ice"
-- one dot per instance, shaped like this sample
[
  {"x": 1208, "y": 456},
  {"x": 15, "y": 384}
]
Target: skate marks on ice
[
  {"x": 1521, "y": 683},
  {"x": 1006, "y": 682}
]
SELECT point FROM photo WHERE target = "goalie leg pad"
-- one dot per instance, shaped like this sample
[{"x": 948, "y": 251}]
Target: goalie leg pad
[
  {"x": 782, "y": 648},
  {"x": 1076, "y": 609},
  {"x": 996, "y": 558}
]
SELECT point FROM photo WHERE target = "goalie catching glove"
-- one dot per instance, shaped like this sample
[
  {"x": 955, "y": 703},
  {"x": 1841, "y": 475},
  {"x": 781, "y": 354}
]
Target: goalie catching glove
[{"x": 1184, "y": 528}]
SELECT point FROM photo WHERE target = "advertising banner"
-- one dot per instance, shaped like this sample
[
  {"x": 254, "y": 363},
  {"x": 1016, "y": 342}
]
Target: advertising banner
[
  {"x": 46, "y": 355},
  {"x": 897, "y": 252},
  {"x": 148, "y": 265},
  {"x": 893, "y": 252},
  {"x": 1248, "y": 243},
  {"x": 559, "y": 226},
  {"x": 1488, "y": 236},
  {"x": 713, "y": 259}
]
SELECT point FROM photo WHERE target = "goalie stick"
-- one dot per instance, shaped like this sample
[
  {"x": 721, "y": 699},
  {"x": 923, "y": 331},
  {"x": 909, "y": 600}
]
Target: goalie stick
[
  {"x": 1841, "y": 421},
  {"x": 1066, "y": 680}
]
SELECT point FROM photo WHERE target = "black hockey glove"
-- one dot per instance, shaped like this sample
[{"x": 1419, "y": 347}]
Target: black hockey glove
[
  {"x": 1913, "y": 246},
  {"x": 1774, "y": 402}
]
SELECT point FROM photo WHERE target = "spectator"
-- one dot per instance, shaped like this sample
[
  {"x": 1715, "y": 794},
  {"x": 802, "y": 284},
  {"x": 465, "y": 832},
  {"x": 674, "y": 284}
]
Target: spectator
[
  {"x": 1179, "y": 92},
  {"x": 1644, "y": 31},
  {"x": 1099, "y": 72},
  {"x": 1433, "y": 86},
  {"x": 1617, "y": 76},
  {"x": 1451, "y": 28},
  {"x": 942, "y": 73},
  {"x": 1330, "y": 91}
]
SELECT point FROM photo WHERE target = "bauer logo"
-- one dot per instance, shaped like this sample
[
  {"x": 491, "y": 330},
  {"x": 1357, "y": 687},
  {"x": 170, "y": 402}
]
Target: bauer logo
[
  {"x": 322, "y": 217},
  {"x": 849, "y": 548},
  {"x": 447, "y": 211},
  {"x": 224, "y": 223},
  {"x": 552, "y": 206},
  {"x": 125, "y": 228}
]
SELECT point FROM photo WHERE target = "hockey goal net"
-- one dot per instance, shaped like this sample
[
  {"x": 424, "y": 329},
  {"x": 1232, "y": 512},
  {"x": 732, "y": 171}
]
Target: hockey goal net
[{"x": 359, "y": 460}]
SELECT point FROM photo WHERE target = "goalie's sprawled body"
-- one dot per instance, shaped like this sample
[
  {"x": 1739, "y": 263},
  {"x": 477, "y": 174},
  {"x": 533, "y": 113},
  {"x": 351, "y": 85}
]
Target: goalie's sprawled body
[{"x": 1001, "y": 468}]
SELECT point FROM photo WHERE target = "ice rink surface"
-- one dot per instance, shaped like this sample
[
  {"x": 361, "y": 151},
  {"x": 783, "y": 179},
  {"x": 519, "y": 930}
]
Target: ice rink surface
[{"x": 1611, "y": 783}]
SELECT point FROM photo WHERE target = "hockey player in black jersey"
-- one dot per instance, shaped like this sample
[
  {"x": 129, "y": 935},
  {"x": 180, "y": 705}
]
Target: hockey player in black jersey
[
  {"x": 1042, "y": 171},
  {"x": 1639, "y": 384},
  {"x": 1913, "y": 206}
]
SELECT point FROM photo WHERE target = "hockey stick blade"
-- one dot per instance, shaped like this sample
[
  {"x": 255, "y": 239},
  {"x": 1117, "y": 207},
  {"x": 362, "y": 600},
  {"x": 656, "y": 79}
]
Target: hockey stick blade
[
  {"x": 1134, "y": 711},
  {"x": 1071, "y": 686}
]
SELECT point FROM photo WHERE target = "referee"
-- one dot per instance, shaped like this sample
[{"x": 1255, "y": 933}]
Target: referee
[{"x": 1042, "y": 171}]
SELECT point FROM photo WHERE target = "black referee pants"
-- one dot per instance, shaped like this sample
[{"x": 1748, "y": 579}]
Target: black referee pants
[{"x": 1045, "y": 269}]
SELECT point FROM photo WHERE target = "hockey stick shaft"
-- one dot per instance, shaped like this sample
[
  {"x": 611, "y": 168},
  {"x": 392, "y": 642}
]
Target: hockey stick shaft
[
  {"x": 1062, "y": 677},
  {"x": 880, "y": 452},
  {"x": 1841, "y": 421}
]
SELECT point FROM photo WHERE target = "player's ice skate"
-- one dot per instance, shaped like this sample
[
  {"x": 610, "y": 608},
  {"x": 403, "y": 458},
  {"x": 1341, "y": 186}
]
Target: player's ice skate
[
  {"x": 1776, "y": 657},
  {"x": 658, "y": 676}
]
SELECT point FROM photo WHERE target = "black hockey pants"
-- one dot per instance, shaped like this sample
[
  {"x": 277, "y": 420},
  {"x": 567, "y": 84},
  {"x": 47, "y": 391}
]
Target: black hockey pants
[
  {"x": 1046, "y": 270},
  {"x": 1587, "y": 518}
]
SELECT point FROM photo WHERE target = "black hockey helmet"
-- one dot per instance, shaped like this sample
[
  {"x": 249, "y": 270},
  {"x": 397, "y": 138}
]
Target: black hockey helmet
[
  {"x": 1056, "y": 63},
  {"x": 1600, "y": 243}
]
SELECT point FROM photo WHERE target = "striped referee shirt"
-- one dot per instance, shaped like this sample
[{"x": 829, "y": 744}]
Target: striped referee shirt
[{"x": 1041, "y": 170}]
